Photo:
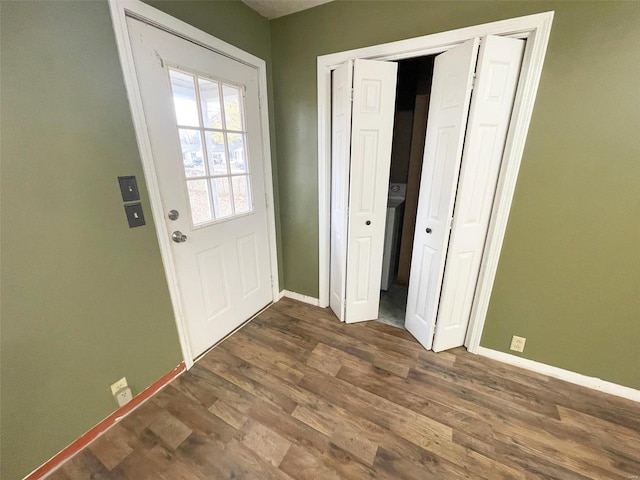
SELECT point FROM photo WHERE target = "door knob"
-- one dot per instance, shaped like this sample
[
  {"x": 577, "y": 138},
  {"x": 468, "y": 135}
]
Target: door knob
[
  {"x": 368, "y": 222},
  {"x": 178, "y": 237},
  {"x": 173, "y": 215},
  {"x": 428, "y": 230}
]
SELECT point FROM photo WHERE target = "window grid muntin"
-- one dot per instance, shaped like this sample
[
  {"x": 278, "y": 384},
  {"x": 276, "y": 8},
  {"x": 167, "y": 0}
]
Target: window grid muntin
[{"x": 209, "y": 177}]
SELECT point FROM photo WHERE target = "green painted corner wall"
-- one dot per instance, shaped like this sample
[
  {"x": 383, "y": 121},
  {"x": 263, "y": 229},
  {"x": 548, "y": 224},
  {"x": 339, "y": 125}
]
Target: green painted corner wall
[
  {"x": 569, "y": 273},
  {"x": 84, "y": 299}
]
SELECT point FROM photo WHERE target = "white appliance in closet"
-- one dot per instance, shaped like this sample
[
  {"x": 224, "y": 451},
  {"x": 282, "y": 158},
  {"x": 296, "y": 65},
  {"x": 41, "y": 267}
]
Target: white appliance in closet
[{"x": 395, "y": 211}]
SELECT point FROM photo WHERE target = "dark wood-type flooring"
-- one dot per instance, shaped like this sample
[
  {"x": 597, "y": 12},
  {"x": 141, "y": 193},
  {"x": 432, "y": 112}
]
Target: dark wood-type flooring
[{"x": 297, "y": 395}]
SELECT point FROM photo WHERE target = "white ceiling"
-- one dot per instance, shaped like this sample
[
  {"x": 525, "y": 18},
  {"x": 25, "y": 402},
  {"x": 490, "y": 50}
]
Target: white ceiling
[{"x": 279, "y": 8}]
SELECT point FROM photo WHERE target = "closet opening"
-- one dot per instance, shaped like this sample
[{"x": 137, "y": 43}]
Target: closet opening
[
  {"x": 454, "y": 258},
  {"x": 413, "y": 90}
]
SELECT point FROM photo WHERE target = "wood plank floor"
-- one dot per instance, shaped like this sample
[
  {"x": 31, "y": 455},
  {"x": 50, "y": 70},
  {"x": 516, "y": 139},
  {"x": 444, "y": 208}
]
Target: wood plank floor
[{"x": 297, "y": 395}]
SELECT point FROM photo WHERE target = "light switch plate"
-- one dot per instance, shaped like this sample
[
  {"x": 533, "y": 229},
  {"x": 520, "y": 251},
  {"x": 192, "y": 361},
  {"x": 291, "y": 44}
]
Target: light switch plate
[
  {"x": 129, "y": 189},
  {"x": 135, "y": 217}
]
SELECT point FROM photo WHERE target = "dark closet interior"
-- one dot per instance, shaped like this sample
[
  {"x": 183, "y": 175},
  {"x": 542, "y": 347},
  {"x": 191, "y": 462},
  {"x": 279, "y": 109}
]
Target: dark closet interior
[{"x": 410, "y": 124}]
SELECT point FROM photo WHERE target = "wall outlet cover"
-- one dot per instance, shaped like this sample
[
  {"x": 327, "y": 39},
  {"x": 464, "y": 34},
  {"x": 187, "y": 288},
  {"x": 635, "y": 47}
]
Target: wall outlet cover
[
  {"x": 124, "y": 396},
  {"x": 517, "y": 344},
  {"x": 119, "y": 385}
]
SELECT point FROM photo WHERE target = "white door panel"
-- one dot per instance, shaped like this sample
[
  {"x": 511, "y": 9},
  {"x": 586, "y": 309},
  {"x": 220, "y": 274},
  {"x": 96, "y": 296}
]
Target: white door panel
[
  {"x": 342, "y": 83},
  {"x": 497, "y": 75},
  {"x": 363, "y": 103},
  {"x": 374, "y": 93},
  {"x": 448, "y": 112},
  {"x": 223, "y": 268}
]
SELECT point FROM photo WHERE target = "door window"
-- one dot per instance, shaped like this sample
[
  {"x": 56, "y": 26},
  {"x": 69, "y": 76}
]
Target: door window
[{"x": 213, "y": 139}]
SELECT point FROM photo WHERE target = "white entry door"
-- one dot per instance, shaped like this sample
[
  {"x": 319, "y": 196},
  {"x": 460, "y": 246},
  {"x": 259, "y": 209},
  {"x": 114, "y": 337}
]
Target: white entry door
[
  {"x": 361, "y": 158},
  {"x": 202, "y": 113},
  {"x": 449, "y": 242}
]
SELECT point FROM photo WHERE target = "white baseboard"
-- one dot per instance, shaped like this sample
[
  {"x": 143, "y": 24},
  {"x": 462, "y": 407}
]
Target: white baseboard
[
  {"x": 302, "y": 298},
  {"x": 566, "y": 375}
]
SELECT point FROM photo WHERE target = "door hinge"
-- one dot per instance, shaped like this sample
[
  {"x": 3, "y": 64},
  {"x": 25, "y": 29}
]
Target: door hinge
[
  {"x": 473, "y": 81},
  {"x": 266, "y": 200},
  {"x": 351, "y": 95}
]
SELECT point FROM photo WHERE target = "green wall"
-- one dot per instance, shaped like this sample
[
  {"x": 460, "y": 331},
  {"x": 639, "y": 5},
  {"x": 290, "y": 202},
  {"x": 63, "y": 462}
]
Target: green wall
[
  {"x": 569, "y": 274},
  {"x": 84, "y": 299}
]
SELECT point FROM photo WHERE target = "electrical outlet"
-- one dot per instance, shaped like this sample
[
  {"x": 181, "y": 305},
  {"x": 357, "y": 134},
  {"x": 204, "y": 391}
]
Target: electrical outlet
[
  {"x": 517, "y": 344},
  {"x": 119, "y": 385},
  {"x": 123, "y": 396}
]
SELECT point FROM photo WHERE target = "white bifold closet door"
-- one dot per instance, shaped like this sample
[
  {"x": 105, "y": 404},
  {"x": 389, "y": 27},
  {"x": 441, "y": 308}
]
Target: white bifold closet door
[
  {"x": 448, "y": 111},
  {"x": 448, "y": 242},
  {"x": 363, "y": 102},
  {"x": 497, "y": 75}
]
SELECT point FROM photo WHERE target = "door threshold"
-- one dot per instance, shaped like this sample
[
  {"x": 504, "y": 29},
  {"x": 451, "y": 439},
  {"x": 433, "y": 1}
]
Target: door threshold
[{"x": 238, "y": 328}]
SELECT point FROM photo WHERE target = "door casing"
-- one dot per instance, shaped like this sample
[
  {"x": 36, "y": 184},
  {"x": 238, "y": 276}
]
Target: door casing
[
  {"x": 120, "y": 9},
  {"x": 536, "y": 30}
]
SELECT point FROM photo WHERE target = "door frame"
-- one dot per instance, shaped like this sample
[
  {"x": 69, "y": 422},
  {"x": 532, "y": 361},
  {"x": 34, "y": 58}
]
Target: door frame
[
  {"x": 536, "y": 30},
  {"x": 120, "y": 10}
]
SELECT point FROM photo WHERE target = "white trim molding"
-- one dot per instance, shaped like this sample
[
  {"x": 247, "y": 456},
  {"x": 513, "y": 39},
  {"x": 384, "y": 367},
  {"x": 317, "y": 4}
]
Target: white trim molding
[
  {"x": 120, "y": 10},
  {"x": 536, "y": 30},
  {"x": 302, "y": 298},
  {"x": 566, "y": 375}
]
